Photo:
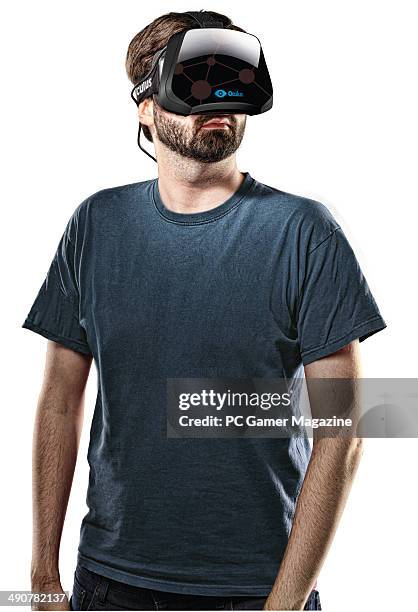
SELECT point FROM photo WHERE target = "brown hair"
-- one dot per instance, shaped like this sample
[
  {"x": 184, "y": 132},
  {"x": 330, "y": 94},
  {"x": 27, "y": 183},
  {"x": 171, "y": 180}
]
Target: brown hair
[{"x": 154, "y": 37}]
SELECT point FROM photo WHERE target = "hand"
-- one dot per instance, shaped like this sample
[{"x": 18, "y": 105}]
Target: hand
[
  {"x": 275, "y": 603},
  {"x": 53, "y": 588}
]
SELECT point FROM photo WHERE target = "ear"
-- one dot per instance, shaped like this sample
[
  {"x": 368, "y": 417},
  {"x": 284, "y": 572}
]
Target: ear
[{"x": 145, "y": 112}]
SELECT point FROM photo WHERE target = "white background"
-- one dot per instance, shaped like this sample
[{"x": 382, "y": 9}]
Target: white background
[{"x": 343, "y": 130}]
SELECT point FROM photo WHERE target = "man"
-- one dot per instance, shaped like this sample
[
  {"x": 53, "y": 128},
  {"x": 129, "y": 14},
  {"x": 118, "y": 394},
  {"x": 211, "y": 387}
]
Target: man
[{"x": 201, "y": 273}]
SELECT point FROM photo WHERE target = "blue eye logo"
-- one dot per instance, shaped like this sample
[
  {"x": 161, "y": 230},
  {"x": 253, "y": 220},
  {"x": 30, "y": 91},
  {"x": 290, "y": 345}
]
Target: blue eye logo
[{"x": 221, "y": 93}]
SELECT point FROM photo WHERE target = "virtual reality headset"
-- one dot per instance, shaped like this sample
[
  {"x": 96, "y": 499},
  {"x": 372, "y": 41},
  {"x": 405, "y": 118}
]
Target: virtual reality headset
[{"x": 210, "y": 69}]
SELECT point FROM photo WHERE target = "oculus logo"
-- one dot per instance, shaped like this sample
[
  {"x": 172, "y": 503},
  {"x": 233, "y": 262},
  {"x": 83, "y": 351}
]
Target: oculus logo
[
  {"x": 145, "y": 85},
  {"x": 221, "y": 93}
]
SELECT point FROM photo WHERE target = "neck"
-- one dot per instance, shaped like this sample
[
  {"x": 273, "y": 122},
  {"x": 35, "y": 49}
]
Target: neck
[{"x": 187, "y": 186}]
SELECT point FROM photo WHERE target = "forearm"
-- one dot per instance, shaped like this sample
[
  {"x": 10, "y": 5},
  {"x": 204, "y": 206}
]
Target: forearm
[
  {"x": 327, "y": 483},
  {"x": 55, "y": 445}
]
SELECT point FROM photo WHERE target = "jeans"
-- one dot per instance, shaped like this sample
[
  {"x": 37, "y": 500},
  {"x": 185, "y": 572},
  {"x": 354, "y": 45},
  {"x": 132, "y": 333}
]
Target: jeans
[{"x": 94, "y": 592}]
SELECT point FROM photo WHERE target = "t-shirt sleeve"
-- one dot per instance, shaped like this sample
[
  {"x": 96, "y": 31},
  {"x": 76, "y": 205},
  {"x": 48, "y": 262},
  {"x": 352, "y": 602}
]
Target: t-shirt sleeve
[
  {"x": 336, "y": 305},
  {"x": 55, "y": 313}
]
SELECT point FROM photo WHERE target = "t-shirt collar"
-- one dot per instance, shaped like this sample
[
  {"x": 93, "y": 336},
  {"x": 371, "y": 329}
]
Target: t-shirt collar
[{"x": 202, "y": 217}]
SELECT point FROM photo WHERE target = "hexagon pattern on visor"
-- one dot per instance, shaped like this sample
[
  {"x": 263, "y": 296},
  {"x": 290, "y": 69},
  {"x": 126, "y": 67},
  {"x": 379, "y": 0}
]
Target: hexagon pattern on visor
[{"x": 217, "y": 65}]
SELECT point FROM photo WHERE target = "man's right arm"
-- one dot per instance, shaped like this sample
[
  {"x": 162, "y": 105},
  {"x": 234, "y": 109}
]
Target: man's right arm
[{"x": 56, "y": 438}]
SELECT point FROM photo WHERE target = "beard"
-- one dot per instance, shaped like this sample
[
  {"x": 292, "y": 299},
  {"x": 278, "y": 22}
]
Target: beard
[{"x": 195, "y": 143}]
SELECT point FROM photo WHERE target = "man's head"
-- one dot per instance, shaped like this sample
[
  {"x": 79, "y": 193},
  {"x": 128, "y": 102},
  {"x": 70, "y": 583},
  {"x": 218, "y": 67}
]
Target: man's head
[{"x": 186, "y": 135}]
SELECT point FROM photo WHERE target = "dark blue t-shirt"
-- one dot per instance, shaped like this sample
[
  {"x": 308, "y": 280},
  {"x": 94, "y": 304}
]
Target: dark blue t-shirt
[{"x": 255, "y": 287}]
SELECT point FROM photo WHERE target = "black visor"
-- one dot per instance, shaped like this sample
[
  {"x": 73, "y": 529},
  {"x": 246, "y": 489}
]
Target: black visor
[{"x": 207, "y": 70}]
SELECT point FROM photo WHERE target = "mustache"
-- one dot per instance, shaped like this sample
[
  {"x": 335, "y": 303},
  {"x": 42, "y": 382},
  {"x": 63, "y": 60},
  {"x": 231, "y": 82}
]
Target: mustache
[{"x": 202, "y": 119}]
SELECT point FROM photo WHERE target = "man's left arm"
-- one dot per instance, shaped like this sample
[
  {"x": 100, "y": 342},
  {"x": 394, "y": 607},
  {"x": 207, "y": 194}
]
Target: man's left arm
[{"x": 325, "y": 489}]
